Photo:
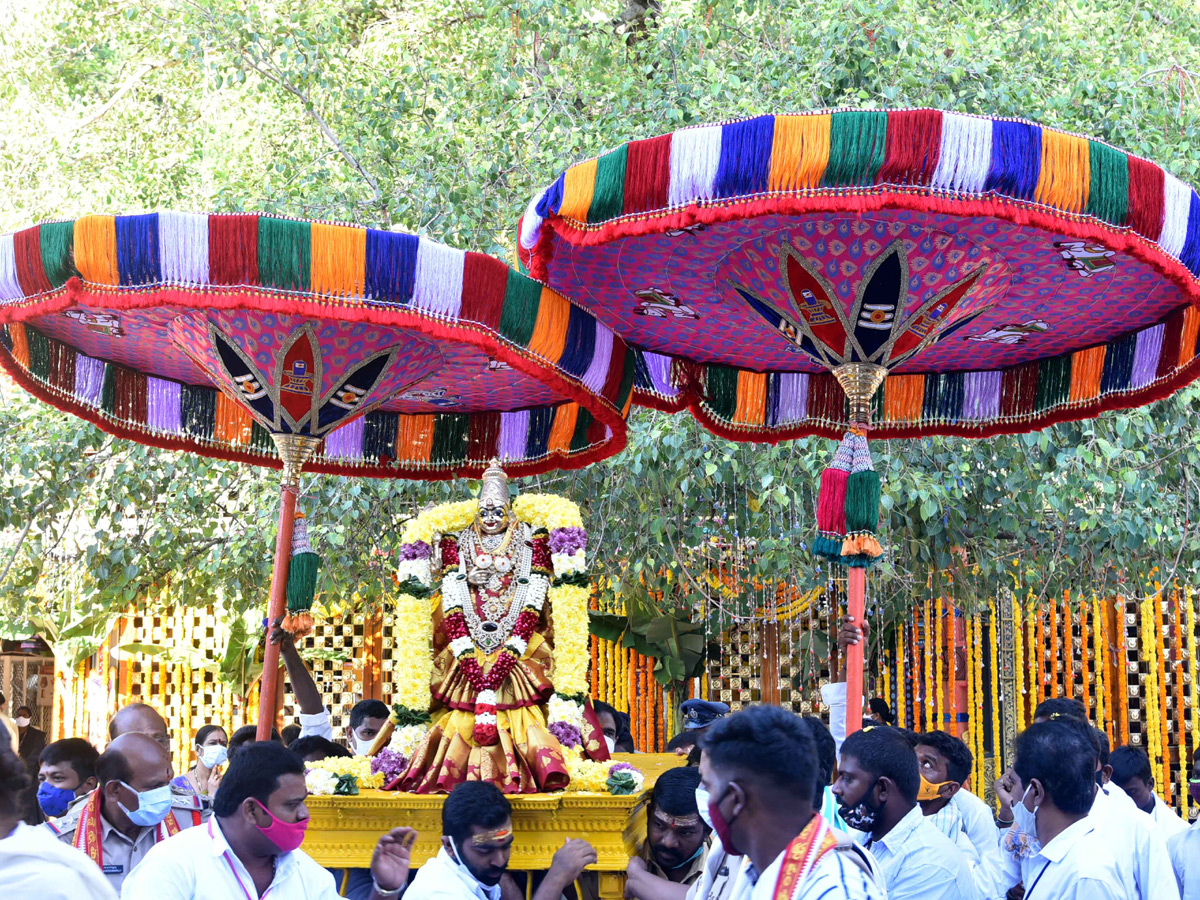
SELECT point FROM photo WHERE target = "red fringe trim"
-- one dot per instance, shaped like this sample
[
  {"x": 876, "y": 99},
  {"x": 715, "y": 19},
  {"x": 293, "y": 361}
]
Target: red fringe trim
[{"x": 75, "y": 294}]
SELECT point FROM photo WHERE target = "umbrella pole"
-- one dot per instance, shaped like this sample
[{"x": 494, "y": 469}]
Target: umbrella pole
[
  {"x": 856, "y": 607},
  {"x": 860, "y": 381},
  {"x": 294, "y": 451}
]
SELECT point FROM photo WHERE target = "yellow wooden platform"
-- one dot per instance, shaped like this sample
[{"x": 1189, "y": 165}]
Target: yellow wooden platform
[{"x": 343, "y": 830}]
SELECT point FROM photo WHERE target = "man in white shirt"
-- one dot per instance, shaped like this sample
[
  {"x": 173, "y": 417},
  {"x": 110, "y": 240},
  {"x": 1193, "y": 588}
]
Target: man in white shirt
[
  {"x": 877, "y": 786},
  {"x": 1131, "y": 773},
  {"x": 32, "y": 862},
  {"x": 1133, "y": 847},
  {"x": 978, "y": 836},
  {"x": 477, "y": 839},
  {"x": 1184, "y": 847},
  {"x": 1064, "y": 854},
  {"x": 758, "y": 774},
  {"x": 250, "y": 846}
]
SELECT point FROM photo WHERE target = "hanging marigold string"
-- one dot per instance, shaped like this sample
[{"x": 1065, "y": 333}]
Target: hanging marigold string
[
  {"x": 1102, "y": 716},
  {"x": 1121, "y": 669},
  {"x": 1039, "y": 647},
  {"x": 1085, "y": 651},
  {"x": 1052, "y": 676},
  {"x": 939, "y": 679},
  {"x": 927, "y": 647},
  {"x": 1177, "y": 682},
  {"x": 997, "y": 741},
  {"x": 1018, "y": 662},
  {"x": 901, "y": 674},
  {"x": 1150, "y": 690},
  {"x": 1193, "y": 733},
  {"x": 1164, "y": 714},
  {"x": 952, "y": 657}
]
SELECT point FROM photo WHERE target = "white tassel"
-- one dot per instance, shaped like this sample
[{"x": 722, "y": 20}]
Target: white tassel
[
  {"x": 1177, "y": 201},
  {"x": 597, "y": 372},
  {"x": 438, "y": 282},
  {"x": 966, "y": 154},
  {"x": 10, "y": 287},
  {"x": 695, "y": 155},
  {"x": 531, "y": 222},
  {"x": 183, "y": 247}
]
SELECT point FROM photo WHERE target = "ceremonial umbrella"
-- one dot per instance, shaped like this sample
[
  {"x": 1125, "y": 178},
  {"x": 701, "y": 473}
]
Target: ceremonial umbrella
[
  {"x": 993, "y": 275},
  {"x": 285, "y": 344}
]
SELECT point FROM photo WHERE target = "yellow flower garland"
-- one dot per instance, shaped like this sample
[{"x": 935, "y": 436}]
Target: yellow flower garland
[
  {"x": 568, "y": 602},
  {"x": 993, "y": 643},
  {"x": 939, "y": 711},
  {"x": 1019, "y": 657},
  {"x": 1193, "y": 672},
  {"x": 1098, "y": 663}
]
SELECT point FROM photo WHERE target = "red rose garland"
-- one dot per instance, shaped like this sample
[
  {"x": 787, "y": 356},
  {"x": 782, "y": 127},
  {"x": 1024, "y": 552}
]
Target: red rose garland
[{"x": 486, "y": 684}]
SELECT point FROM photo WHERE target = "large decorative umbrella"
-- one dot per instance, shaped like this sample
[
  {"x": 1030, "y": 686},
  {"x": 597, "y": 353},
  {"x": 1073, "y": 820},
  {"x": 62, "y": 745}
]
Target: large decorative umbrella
[
  {"x": 286, "y": 344},
  {"x": 992, "y": 275}
]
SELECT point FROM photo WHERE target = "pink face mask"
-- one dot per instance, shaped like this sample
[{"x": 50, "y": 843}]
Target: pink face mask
[{"x": 287, "y": 836}]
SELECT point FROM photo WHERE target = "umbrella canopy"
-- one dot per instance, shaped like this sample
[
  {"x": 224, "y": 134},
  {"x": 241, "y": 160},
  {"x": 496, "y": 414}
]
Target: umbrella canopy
[
  {"x": 1001, "y": 275},
  {"x": 211, "y": 333}
]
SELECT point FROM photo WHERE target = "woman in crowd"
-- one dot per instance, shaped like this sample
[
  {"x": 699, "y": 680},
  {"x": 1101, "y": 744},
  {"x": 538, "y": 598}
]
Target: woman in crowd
[{"x": 212, "y": 751}]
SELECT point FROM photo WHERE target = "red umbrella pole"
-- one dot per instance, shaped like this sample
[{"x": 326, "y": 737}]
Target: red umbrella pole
[
  {"x": 856, "y": 607},
  {"x": 294, "y": 450},
  {"x": 276, "y": 608}
]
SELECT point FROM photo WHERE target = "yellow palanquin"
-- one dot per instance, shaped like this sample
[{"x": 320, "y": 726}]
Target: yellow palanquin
[{"x": 504, "y": 594}]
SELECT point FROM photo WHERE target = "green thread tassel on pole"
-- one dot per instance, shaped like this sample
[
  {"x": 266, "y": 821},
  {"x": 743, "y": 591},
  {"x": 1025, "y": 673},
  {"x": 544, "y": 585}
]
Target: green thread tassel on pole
[
  {"x": 303, "y": 569},
  {"x": 861, "y": 547}
]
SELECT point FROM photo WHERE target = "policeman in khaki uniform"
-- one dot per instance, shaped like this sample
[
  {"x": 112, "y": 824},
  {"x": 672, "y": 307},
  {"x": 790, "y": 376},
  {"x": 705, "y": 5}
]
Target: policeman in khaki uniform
[{"x": 132, "y": 809}]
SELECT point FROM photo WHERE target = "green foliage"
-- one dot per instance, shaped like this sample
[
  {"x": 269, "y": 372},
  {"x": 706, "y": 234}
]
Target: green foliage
[{"x": 445, "y": 120}]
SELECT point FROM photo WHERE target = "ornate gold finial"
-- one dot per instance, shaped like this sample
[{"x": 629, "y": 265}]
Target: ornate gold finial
[
  {"x": 860, "y": 381},
  {"x": 495, "y": 485}
]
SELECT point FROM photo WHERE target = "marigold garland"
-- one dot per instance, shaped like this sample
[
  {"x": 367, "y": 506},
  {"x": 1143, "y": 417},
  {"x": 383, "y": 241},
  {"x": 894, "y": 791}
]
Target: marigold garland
[
  {"x": 1194, "y": 731},
  {"x": 1019, "y": 661},
  {"x": 1040, "y": 648},
  {"x": 1085, "y": 649},
  {"x": 1177, "y": 681},
  {"x": 939, "y": 712},
  {"x": 901, "y": 672},
  {"x": 927, "y": 642},
  {"x": 980, "y": 688},
  {"x": 1150, "y": 692},
  {"x": 1164, "y": 717},
  {"x": 997, "y": 741},
  {"x": 1098, "y": 658}
]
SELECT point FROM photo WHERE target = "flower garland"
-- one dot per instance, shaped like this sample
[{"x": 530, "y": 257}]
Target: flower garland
[
  {"x": 1098, "y": 658},
  {"x": 1194, "y": 732},
  {"x": 927, "y": 699},
  {"x": 998, "y": 743},
  {"x": 1161, "y": 678},
  {"x": 939, "y": 705},
  {"x": 1150, "y": 692},
  {"x": 1085, "y": 649},
  {"x": 1177, "y": 674},
  {"x": 901, "y": 700},
  {"x": 560, "y": 547},
  {"x": 609, "y": 777},
  {"x": 1019, "y": 661},
  {"x": 341, "y": 775}
]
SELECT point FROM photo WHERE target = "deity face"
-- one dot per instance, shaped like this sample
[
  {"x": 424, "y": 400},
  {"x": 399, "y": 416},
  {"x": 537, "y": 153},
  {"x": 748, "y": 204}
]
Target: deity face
[{"x": 493, "y": 517}]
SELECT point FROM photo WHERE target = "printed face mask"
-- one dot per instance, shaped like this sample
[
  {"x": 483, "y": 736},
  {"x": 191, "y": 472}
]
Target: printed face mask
[
  {"x": 1025, "y": 820},
  {"x": 153, "y": 806},
  {"x": 929, "y": 790},
  {"x": 863, "y": 815},
  {"x": 287, "y": 836}
]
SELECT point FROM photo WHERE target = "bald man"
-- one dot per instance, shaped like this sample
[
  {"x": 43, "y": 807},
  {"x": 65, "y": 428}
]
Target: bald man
[
  {"x": 138, "y": 718},
  {"x": 131, "y": 810}
]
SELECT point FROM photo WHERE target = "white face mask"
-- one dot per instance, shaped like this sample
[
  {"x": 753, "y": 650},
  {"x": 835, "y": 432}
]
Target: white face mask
[
  {"x": 1026, "y": 821},
  {"x": 361, "y": 747},
  {"x": 612, "y": 744},
  {"x": 702, "y": 806},
  {"x": 214, "y": 755},
  {"x": 22, "y": 721}
]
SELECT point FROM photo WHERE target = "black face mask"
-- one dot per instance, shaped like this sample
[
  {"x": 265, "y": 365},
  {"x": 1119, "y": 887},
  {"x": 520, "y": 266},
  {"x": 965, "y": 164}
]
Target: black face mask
[{"x": 863, "y": 815}]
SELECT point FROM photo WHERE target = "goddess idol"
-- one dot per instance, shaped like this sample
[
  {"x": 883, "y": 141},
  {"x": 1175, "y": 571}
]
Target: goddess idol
[{"x": 492, "y": 680}]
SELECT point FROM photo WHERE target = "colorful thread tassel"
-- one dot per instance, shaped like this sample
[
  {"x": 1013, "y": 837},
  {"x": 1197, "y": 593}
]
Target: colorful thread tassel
[
  {"x": 301, "y": 581},
  {"x": 848, "y": 506}
]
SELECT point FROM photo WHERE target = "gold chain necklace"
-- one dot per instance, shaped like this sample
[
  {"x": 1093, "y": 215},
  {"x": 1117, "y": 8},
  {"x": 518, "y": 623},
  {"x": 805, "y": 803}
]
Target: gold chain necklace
[{"x": 507, "y": 540}]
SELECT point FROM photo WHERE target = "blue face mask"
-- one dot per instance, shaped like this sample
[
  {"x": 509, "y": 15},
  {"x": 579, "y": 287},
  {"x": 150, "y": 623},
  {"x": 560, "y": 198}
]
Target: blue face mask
[
  {"x": 54, "y": 800},
  {"x": 153, "y": 806}
]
